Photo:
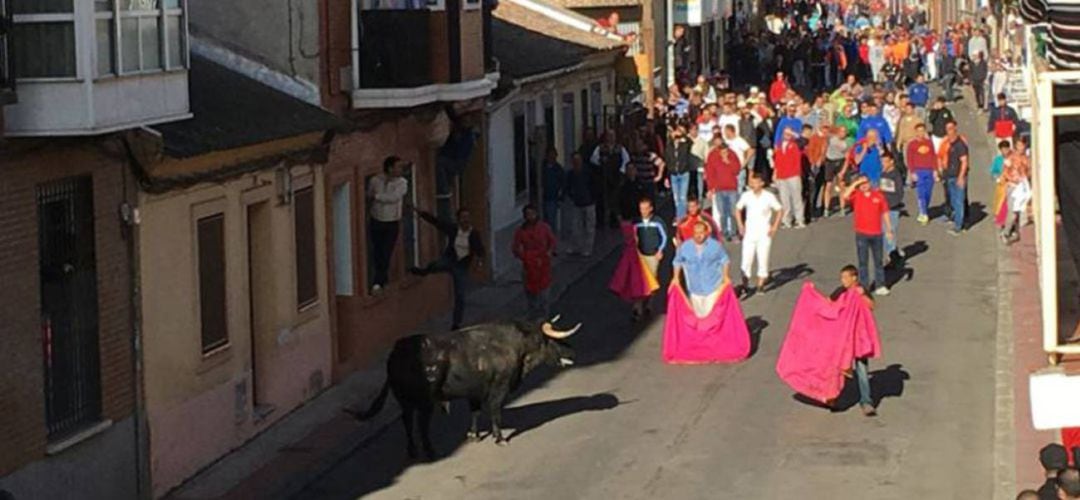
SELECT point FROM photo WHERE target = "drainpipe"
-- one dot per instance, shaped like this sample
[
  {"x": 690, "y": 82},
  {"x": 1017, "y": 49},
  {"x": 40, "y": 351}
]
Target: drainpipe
[
  {"x": 670, "y": 22},
  {"x": 354, "y": 14},
  {"x": 129, "y": 217}
]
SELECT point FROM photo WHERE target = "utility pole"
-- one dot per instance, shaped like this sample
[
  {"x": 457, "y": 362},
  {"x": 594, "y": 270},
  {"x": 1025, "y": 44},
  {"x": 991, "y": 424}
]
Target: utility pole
[
  {"x": 648, "y": 43},
  {"x": 668, "y": 45}
]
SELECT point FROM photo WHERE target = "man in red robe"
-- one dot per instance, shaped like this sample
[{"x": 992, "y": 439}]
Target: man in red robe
[{"x": 534, "y": 244}]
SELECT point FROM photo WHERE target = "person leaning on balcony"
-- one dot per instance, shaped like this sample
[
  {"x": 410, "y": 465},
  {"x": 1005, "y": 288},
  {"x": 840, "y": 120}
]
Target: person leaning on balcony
[
  {"x": 1063, "y": 53},
  {"x": 386, "y": 192}
]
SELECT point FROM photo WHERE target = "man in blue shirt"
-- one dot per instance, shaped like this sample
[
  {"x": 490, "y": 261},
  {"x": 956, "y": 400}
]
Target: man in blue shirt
[
  {"x": 789, "y": 120},
  {"x": 919, "y": 95},
  {"x": 704, "y": 263},
  {"x": 874, "y": 121},
  {"x": 868, "y": 156}
]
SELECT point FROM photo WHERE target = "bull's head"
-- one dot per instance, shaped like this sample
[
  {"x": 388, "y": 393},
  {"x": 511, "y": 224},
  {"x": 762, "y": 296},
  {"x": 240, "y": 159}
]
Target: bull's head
[{"x": 552, "y": 348}]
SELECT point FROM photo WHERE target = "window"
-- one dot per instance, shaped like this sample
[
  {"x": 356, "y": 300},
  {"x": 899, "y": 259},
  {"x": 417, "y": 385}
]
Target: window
[
  {"x": 343, "y": 256},
  {"x": 43, "y": 38},
  {"x": 212, "y": 297},
  {"x": 521, "y": 155},
  {"x": 151, "y": 36},
  {"x": 307, "y": 287},
  {"x": 69, "y": 312}
]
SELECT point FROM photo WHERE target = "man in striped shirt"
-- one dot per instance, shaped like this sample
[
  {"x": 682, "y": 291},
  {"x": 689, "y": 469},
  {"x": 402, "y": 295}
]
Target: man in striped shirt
[{"x": 1063, "y": 53}]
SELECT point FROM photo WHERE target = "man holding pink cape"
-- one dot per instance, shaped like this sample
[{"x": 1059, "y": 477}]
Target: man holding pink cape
[
  {"x": 704, "y": 322},
  {"x": 828, "y": 337}
]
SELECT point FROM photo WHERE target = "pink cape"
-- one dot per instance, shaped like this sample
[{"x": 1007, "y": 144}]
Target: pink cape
[
  {"x": 633, "y": 279},
  {"x": 719, "y": 337},
  {"x": 823, "y": 340}
]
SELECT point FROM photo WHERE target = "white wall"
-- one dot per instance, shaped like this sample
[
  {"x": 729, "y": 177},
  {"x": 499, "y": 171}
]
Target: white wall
[{"x": 504, "y": 209}]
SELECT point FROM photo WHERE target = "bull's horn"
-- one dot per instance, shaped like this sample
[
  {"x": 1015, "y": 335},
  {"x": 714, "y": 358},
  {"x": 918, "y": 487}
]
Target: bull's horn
[
  {"x": 555, "y": 319},
  {"x": 550, "y": 331}
]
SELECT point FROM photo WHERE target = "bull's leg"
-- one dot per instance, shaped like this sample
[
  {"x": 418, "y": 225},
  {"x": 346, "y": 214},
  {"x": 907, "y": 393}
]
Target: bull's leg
[
  {"x": 474, "y": 429},
  {"x": 407, "y": 420},
  {"x": 425, "y": 431},
  {"x": 494, "y": 405}
]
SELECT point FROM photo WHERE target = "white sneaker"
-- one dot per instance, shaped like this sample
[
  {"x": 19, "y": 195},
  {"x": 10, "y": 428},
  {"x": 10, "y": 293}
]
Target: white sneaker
[
  {"x": 881, "y": 291},
  {"x": 377, "y": 289}
]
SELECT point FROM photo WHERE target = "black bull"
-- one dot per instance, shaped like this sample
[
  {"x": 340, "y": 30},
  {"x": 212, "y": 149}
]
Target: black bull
[{"x": 482, "y": 364}]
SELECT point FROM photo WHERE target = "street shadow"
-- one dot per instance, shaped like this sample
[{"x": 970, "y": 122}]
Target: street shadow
[
  {"x": 976, "y": 214},
  {"x": 900, "y": 270},
  {"x": 525, "y": 418},
  {"x": 781, "y": 277},
  {"x": 888, "y": 383},
  {"x": 757, "y": 326}
]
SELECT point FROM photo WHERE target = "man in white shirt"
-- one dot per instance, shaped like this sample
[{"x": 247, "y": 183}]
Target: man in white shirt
[
  {"x": 386, "y": 192},
  {"x": 728, "y": 116},
  {"x": 763, "y": 215},
  {"x": 742, "y": 149}
]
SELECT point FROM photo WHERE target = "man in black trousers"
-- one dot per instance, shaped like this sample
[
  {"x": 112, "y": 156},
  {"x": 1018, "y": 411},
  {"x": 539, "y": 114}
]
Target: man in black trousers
[{"x": 464, "y": 249}]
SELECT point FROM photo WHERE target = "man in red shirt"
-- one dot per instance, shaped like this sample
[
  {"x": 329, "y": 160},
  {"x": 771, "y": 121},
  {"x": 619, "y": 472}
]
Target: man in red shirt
[
  {"x": 722, "y": 177},
  {"x": 870, "y": 208},
  {"x": 922, "y": 166},
  {"x": 778, "y": 89},
  {"x": 787, "y": 177},
  {"x": 684, "y": 228}
]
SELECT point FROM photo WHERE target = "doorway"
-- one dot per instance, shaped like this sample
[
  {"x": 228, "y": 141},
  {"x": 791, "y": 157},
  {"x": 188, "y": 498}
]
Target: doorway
[{"x": 261, "y": 292}]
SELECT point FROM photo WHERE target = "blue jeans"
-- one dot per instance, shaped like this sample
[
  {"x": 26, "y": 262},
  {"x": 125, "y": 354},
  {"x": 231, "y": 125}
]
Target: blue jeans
[
  {"x": 724, "y": 204},
  {"x": 891, "y": 245},
  {"x": 680, "y": 186},
  {"x": 551, "y": 214},
  {"x": 864, "y": 246},
  {"x": 956, "y": 200},
  {"x": 863, "y": 377}
]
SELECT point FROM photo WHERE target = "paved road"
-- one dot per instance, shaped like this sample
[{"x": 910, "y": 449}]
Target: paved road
[{"x": 624, "y": 425}]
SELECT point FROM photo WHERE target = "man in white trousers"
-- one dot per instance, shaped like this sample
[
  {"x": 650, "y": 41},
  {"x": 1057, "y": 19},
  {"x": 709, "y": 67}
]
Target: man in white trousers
[{"x": 763, "y": 215}]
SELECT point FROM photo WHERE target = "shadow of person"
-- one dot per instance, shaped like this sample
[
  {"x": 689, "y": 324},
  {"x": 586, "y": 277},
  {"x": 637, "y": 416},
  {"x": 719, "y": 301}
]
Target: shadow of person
[
  {"x": 756, "y": 325},
  {"x": 528, "y": 417},
  {"x": 976, "y": 214},
  {"x": 888, "y": 383},
  {"x": 786, "y": 275},
  {"x": 899, "y": 270}
]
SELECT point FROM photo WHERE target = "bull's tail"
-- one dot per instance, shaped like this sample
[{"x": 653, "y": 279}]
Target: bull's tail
[{"x": 376, "y": 406}]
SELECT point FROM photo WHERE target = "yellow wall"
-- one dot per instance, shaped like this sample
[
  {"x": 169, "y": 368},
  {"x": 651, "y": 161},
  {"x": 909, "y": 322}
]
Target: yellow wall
[{"x": 182, "y": 382}]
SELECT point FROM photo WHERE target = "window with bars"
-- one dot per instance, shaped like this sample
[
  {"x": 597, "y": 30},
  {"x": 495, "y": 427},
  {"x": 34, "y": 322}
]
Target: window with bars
[
  {"x": 213, "y": 315},
  {"x": 307, "y": 287},
  {"x": 151, "y": 36}
]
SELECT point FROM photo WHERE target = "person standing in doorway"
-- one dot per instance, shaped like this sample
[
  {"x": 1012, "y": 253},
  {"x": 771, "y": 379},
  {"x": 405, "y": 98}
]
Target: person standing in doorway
[
  {"x": 871, "y": 211},
  {"x": 534, "y": 244},
  {"x": 464, "y": 250},
  {"x": 763, "y": 215},
  {"x": 581, "y": 212},
  {"x": 387, "y": 193}
]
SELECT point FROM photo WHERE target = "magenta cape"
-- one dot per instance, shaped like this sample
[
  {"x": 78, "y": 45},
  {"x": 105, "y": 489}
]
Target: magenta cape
[
  {"x": 823, "y": 340},
  {"x": 719, "y": 337},
  {"x": 633, "y": 279}
]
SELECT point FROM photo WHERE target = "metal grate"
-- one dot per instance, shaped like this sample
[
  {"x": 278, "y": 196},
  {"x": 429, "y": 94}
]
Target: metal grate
[{"x": 69, "y": 308}]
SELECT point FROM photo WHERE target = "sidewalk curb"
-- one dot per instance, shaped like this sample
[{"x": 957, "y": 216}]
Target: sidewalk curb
[{"x": 1004, "y": 394}]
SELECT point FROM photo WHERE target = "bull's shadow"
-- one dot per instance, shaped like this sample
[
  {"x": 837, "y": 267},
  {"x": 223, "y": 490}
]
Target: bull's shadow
[{"x": 528, "y": 417}]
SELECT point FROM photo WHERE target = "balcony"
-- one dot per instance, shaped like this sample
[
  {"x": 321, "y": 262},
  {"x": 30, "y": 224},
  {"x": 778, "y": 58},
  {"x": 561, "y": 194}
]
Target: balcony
[
  {"x": 410, "y": 57},
  {"x": 88, "y": 68}
]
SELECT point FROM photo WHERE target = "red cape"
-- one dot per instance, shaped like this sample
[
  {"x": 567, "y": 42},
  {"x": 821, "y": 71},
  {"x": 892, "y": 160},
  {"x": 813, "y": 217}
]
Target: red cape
[{"x": 719, "y": 337}]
